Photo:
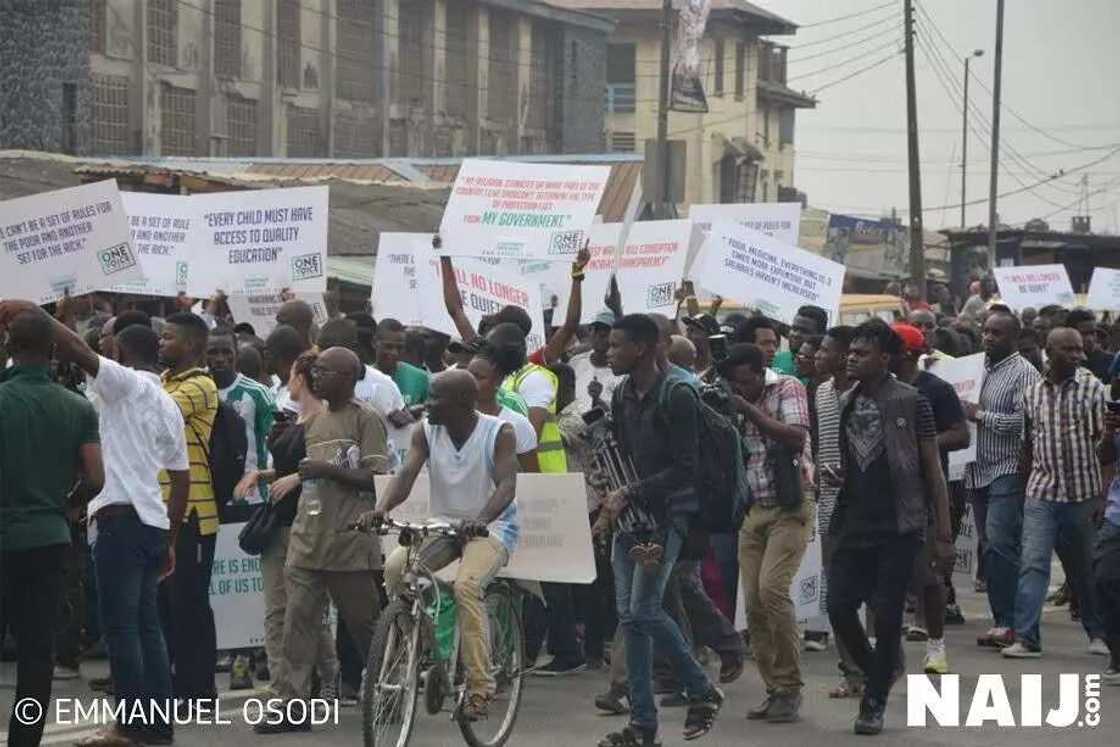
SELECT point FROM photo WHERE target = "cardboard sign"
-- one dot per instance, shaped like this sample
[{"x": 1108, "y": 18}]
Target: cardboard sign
[
  {"x": 1034, "y": 286},
  {"x": 405, "y": 278},
  {"x": 72, "y": 240},
  {"x": 1104, "y": 290},
  {"x": 265, "y": 239},
  {"x": 160, "y": 228},
  {"x": 236, "y": 593},
  {"x": 259, "y": 309},
  {"x": 760, "y": 271},
  {"x": 782, "y": 220},
  {"x": 555, "y": 540},
  {"x": 649, "y": 271},
  {"x": 966, "y": 548},
  {"x": 967, "y": 377},
  {"x": 512, "y": 210}
]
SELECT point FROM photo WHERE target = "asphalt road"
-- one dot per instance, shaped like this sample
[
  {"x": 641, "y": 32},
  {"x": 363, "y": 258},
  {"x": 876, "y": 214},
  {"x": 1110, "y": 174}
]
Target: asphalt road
[{"x": 559, "y": 711}]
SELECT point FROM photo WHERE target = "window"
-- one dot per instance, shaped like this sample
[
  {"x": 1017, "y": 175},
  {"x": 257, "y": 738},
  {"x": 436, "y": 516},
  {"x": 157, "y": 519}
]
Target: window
[
  {"x": 69, "y": 118},
  {"x": 176, "y": 121},
  {"x": 288, "y": 43},
  {"x": 623, "y": 142},
  {"x": 411, "y": 66},
  {"x": 540, "y": 80},
  {"x": 305, "y": 134},
  {"x": 786, "y": 123},
  {"x": 621, "y": 91},
  {"x": 717, "y": 86},
  {"x": 97, "y": 21},
  {"x": 740, "y": 69},
  {"x": 110, "y": 115},
  {"x": 356, "y": 136},
  {"x": 456, "y": 66},
  {"x": 163, "y": 26},
  {"x": 241, "y": 125},
  {"x": 502, "y": 92},
  {"x": 357, "y": 64},
  {"x": 227, "y": 38}
]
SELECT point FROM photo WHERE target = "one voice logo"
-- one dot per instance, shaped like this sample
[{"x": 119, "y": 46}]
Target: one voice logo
[{"x": 1078, "y": 704}]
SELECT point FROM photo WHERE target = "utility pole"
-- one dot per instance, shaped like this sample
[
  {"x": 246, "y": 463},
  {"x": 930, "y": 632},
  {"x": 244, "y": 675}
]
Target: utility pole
[
  {"x": 964, "y": 136},
  {"x": 993, "y": 214},
  {"x": 661, "y": 178},
  {"x": 917, "y": 238}
]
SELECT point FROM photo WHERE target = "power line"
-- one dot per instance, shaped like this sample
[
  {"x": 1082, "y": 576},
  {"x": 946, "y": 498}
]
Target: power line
[
  {"x": 894, "y": 17},
  {"x": 857, "y": 73},
  {"x": 842, "y": 48},
  {"x": 837, "y": 19},
  {"x": 850, "y": 60}
]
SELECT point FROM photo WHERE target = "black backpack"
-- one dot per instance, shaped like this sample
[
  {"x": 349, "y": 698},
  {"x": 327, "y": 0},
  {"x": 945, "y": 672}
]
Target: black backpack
[
  {"x": 225, "y": 454},
  {"x": 721, "y": 479}
]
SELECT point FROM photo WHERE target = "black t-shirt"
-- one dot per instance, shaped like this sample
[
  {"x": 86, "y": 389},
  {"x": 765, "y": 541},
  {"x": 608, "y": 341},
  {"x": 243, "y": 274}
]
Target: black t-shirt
[
  {"x": 1099, "y": 362},
  {"x": 866, "y": 507},
  {"x": 288, "y": 449},
  {"x": 947, "y": 410}
]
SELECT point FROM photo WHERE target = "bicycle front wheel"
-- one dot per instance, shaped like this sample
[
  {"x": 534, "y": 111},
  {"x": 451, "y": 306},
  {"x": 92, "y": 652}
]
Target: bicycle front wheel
[
  {"x": 507, "y": 663},
  {"x": 392, "y": 678}
]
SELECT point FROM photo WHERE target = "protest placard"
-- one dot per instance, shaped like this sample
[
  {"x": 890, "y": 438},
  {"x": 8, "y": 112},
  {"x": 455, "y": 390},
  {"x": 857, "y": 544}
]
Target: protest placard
[
  {"x": 555, "y": 542},
  {"x": 782, "y": 220},
  {"x": 514, "y": 210},
  {"x": 649, "y": 271},
  {"x": 406, "y": 281},
  {"x": 160, "y": 228},
  {"x": 966, "y": 376},
  {"x": 71, "y": 240},
  {"x": 236, "y": 593},
  {"x": 760, "y": 271},
  {"x": 259, "y": 309},
  {"x": 1104, "y": 290},
  {"x": 1033, "y": 286},
  {"x": 967, "y": 552},
  {"x": 265, "y": 239}
]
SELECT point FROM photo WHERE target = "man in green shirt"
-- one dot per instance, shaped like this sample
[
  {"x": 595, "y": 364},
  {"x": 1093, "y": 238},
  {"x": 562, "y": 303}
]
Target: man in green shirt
[
  {"x": 810, "y": 321},
  {"x": 412, "y": 381},
  {"x": 48, "y": 442}
]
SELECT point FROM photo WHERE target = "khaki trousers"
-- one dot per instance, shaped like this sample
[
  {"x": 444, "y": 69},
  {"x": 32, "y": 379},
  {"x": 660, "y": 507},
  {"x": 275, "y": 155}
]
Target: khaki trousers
[
  {"x": 482, "y": 558},
  {"x": 772, "y": 542},
  {"x": 358, "y": 600},
  {"x": 275, "y": 603}
]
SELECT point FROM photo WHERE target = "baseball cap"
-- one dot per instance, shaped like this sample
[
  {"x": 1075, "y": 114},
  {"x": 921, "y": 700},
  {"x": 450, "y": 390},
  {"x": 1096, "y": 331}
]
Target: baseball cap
[
  {"x": 706, "y": 323},
  {"x": 605, "y": 318},
  {"x": 913, "y": 341}
]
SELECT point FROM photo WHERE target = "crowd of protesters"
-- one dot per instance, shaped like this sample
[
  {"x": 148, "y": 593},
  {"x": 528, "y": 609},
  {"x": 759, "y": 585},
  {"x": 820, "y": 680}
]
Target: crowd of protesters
[{"x": 110, "y": 421}]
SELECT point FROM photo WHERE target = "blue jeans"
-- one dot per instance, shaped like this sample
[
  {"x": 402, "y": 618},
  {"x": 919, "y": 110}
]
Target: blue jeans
[
  {"x": 1043, "y": 523},
  {"x": 128, "y": 557},
  {"x": 638, "y": 593},
  {"x": 1003, "y": 529}
]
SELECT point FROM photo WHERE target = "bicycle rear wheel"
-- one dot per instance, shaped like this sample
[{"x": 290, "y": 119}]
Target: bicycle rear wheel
[
  {"x": 392, "y": 678},
  {"x": 507, "y": 663}
]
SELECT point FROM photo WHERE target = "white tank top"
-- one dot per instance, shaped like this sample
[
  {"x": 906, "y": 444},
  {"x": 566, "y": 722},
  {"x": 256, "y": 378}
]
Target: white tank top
[{"x": 462, "y": 480}]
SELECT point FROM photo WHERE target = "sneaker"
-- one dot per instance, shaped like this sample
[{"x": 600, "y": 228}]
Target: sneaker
[
  {"x": 1096, "y": 646},
  {"x": 870, "y": 718},
  {"x": 1111, "y": 677},
  {"x": 329, "y": 690},
  {"x": 240, "y": 674},
  {"x": 916, "y": 633},
  {"x": 815, "y": 644},
  {"x": 476, "y": 707},
  {"x": 1021, "y": 650},
  {"x": 62, "y": 673},
  {"x": 937, "y": 661},
  {"x": 630, "y": 736},
  {"x": 560, "y": 667},
  {"x": 762, "y": 710},
  {"x": 347, "y": 696},
  {"x": 785, "y": 708},
  {"x": 953, "y": 615},
  {"x": 996, "y": 638},
  {"x": 612, "y": 701}
]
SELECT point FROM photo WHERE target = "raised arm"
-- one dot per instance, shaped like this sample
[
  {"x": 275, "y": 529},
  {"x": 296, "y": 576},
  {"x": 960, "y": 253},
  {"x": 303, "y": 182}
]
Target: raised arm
[
  {"x": 558, "y": 343},
  {"x": 68, "y": 343},
  {"x": 451, "y": 298}
]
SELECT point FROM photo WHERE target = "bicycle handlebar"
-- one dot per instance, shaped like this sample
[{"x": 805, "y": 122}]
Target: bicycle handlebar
[{"x": 442, "y": 528}]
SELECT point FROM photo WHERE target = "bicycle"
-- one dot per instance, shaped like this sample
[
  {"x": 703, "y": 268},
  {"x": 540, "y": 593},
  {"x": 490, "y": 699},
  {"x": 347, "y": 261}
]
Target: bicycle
[{"x": 418, "y": 632}]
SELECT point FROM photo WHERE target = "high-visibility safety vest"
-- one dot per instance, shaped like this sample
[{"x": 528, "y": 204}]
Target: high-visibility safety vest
[{"x": 550, "y": 447}]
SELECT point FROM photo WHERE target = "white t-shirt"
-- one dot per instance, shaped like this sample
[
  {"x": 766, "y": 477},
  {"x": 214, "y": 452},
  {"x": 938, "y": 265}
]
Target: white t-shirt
[
  {"x": 537, "y": 390},
  {"x": 586, "y": 372},
  {"x": 141, "y": 434},
  {"x": 380, "y": 392},
  {"x": 523, "y": 430}
]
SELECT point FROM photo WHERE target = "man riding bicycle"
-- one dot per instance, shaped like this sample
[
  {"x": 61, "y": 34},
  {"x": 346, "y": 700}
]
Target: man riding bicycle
[{"x": 472, "y": 467}]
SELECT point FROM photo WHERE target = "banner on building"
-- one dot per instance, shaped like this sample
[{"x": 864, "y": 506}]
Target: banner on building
[
  {"x": 686, "y": 92},
  {"x": 264, "y": 239},
  {"x": 1033, "y": 286},
  {"x": 1104, "y": 290},
  {"x": 881, "y": 247},
  {"x": 160, "y": 228},
  {"x": 649, "y": 270},
  {"x": 513, "y": 210},
  {"x": 72, "y": 241},
  {"x": 769, "y": 275}
]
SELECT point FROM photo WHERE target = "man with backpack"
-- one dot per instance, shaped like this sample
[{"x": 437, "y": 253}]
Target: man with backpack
[
  {"x": 774, "y": 421},
  {"x": 657, "y": 431},
  {"x": 188, "y": 620}
]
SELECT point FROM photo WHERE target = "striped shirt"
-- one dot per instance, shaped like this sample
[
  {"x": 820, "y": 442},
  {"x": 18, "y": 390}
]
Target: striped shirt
[
  {"x": 828, "y": 449},
  {"x": 999, "y": 434},
  {"x": 1064, "y": 421},
  {"x": 253, "y": 402},
  {"x": 196, "y": 394}
]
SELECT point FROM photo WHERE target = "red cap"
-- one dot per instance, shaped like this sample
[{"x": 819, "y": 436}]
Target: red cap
[{"x": 912, "y": 338}]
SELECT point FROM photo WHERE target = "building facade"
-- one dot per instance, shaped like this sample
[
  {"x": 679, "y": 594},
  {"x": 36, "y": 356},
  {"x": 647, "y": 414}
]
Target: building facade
[
  {"x": 742, "y": 149},
  {"x": 314, "y": 78}
]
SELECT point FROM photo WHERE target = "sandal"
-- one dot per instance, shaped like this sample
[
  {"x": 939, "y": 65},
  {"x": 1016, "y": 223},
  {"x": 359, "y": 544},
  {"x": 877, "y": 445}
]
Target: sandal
[
  {"x": 701, "y": 715},
  {"x": 630, "y": 736},
  {"x": 846, "y": 689},
  {"x": 476, "y": 707}
]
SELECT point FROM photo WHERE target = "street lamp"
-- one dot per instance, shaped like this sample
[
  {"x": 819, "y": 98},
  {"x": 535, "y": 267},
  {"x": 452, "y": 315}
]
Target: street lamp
[{"x": 964, "y": 133}]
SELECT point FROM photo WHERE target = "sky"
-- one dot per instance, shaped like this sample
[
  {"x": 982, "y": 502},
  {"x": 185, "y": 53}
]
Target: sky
[{"x": 1060, "y": 62}]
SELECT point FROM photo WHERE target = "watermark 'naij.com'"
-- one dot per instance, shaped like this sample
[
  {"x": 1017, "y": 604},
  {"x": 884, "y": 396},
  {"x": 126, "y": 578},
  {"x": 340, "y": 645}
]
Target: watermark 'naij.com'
[{"x": 1079, "y": 701}]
